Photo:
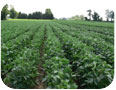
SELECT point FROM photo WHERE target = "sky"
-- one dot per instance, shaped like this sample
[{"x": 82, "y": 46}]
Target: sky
[{"x": 61, "y": 8}]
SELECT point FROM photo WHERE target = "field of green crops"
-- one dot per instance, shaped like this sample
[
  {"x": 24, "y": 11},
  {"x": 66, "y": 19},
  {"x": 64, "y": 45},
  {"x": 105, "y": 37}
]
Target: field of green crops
[{"x": 57, "y": 54}]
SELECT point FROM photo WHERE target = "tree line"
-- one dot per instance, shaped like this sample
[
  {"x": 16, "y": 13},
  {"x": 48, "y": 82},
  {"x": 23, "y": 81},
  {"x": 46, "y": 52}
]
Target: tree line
[
  {"x": 96, "y": 17},
  {"x": 49, "y": 15},
  {"x": 35, "y": 15}
]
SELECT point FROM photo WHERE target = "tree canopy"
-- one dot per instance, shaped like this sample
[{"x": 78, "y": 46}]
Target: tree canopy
[
  {"x": 89, "y": 13},
  {"x": 48, "y": 14},
  {"x": 4, "y": 12},
  {"x": 22, "y": 15},
  {"x": 109, "y": 15},
  {"x": 13, "y": 13},
  {"x": 37, "y": 15},
  {"x": 112, "y": 15},
  {"x": 95, "y": 16}
]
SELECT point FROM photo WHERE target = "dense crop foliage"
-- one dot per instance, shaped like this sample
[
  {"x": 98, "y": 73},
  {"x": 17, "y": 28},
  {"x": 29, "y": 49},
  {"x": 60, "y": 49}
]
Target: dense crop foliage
[{"x": 57, "y": 54}]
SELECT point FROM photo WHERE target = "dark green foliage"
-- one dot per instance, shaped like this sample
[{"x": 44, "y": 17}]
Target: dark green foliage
[
  {"x": 76, "y": 54},
  {"x": 30, "y": 16},
  {"x": 86, "y": 18},
  {"x": 4, "y": 12},
  {"x": 95, "y": 16},
  {"x": 13, "y": 13},
  {"x": 89, "y": 14},
  {"x": 111, "y": 15},
  {"x": 58, "y": 70},
  {"x": 59, "y": 74},
  {"x": 48, "y": 14},
  {"x": 22, "y": 76},
  {"x": 22, "y": 15},
  {"x": 37, "y": 15},
  {"x": 19, "y": 67},
  {"x": 91, "y": 70}
]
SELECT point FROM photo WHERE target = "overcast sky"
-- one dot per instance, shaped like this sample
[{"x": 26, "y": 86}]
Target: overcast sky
[{"x": 61, "y": 8}]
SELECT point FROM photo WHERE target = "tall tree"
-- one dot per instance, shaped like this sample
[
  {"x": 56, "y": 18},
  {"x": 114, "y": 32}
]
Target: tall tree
[
  {"x": 37, "y": 15},
  {"x": 30, "y": 16},
  {"x": 19, "y": 15},
  {"x": 4, "y": 12},
  {"x": 13, "y": 13},
  {"x": 95, "y": 16},
  {"x": 40, "y": 15},
  {"x": 107, "y": 14},
  {"x": 22, "y": 15},
  {"x": 48, "y": 14},
  {"x": 111, "y": 15},
  {"x": 89, "y": 13}
]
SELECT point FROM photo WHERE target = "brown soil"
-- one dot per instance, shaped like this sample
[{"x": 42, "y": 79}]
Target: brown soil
[{"x": 41, "y": 71}]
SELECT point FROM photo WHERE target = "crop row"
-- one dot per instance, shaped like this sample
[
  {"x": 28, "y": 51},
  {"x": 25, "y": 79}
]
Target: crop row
[
  {"x": 19, "y": 68},
  {"x": 13, "y": 30},
  {"x": 11, "y": 49},
  {"x": 100, "y": 47},
  {"x": 88, "y": 68},
  {"x": 88, "y": 23},
  {"x": 60, "y": 55},
  {"x": 91, "y": 28},
  {"x": 57, "y": 68}
]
